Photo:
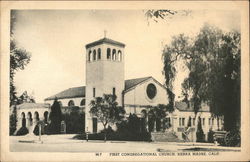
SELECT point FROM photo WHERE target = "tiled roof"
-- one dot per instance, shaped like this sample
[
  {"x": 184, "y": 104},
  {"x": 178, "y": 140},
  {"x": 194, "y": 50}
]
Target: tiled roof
[
  {"x": 69, "y": 93},
  {"x": 105, "y": 40},
  {"x": 32, "y": 105},
  {"x": 182, "y": 106},
  {"x": 80, "y": 91},
  {"x": 133, "y": 82}
]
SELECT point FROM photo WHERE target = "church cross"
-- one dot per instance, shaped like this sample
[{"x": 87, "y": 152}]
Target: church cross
[{"x": 105, "y": 33}]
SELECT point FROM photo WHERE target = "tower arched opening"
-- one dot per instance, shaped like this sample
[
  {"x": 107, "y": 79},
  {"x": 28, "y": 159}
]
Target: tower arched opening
[
  {"x": 94, "y": 55},
  {"x": 113, "y": 54},
  {"x": 119, "y": 55},
  {"x": 108, "y": 54},
  {"x": 99, "y": 54},
  {"x": 89, "y": 57}
]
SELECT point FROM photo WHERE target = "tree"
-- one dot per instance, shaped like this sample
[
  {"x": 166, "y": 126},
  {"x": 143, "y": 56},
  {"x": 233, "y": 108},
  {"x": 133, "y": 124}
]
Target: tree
[
  {"x": 213, "y": 61},
  {"x": 55, "y": 118},
  {"x": 13, "y": 120},
  {"x": 165, "y": 14},
  {"x": 19, "y": 57},
  {"x": 107, "y": 111},
  {"x": 200, "y": 137}
]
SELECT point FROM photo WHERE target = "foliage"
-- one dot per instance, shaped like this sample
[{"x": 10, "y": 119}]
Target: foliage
[
  {"x": 55, "y": 118},
  {"x": 165, "y": 14},
  {"x": 127, "y": 130},
  {"x": 210, "y": 135},
  {"x": 74, "y": 122},
  {"x": 213, "y": 61},
  {"x": 22, "y": 131},
  {"x": 19, "y": 58},
  {"x": 13, "y": 121},
  {"x": 106, "y": 110}
]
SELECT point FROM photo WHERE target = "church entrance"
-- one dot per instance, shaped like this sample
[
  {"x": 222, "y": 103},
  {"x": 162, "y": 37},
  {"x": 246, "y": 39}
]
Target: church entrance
[{"x": 94, "y": 125}]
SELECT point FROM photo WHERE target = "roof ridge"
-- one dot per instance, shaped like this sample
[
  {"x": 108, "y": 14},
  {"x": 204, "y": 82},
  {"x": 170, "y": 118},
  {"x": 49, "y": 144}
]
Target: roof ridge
[{"x": 140, "y": 78}]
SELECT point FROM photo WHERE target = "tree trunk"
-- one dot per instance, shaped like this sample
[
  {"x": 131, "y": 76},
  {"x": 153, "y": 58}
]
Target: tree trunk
[{"x": 105, "y": 133}]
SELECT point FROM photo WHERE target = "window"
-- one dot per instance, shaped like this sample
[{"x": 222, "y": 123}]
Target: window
[
  {"x": 108, "y": 54},
  {"x": 89, "y": 59},
  {"x": 119, "y": 55},
  {"x": 94, "y": 55},
  {"x": 71, "y": 103},
  {"x": 93, "y": 92},
  {"x": 212, "y": 121},
  {"x": 99, "y": 54},
  {"x": 82, "y": 102},
  {"x": 151, "y": 91},
  {"x": 114, "y": 54},
  {"x": 183, "y": 121},
  {"x": 113, "y": 91},
  {"x": 94, "y": 124},
  {"x": 203, "y": 121},
  {"x": 209, "y": 121},
  {"x": 193, "y": 121},
  {"x": 60, "y": 103}
]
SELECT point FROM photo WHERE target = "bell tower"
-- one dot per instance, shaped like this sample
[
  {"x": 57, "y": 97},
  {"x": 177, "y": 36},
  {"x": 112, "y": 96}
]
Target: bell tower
[{"x": 104, "y": 75}]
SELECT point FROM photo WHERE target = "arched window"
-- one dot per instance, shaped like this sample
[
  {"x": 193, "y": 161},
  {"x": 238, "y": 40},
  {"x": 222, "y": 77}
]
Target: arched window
[
  {"x": 108, "y": 54},
  {"x": 119, "y": 55},
  {"x": 82, "y": 102},
  {"x": 94, "y": 55},
  {"x": 46, "y": 115},
  {"x": 36, "y": 116},
  {"x": 60, "y": 103},
  {"x": 71, "y": 103},
  {"x": 113, "y": 54},
  {"x": 99, "y": 54},
  {"x": 89, "y": 59}
]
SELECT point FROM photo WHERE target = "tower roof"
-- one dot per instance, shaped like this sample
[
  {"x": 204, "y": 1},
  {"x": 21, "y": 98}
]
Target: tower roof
[{"x": 105, "y": 40}]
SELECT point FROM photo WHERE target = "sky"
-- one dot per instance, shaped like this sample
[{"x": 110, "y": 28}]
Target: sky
[{"x": 56, "y": 40}]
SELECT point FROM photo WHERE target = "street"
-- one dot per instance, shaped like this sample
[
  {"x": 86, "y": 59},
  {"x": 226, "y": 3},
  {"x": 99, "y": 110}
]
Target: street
[{"x": 66, "y": 143}]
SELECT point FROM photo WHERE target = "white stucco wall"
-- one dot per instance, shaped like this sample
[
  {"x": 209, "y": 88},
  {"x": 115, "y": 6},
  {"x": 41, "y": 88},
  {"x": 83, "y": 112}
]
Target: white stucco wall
[
  {"x": 103, "y": 75},
  {"x": 206, "y": 126},
  {"x": 30, "y": 125},
  {"x": 136, "y": 98}
]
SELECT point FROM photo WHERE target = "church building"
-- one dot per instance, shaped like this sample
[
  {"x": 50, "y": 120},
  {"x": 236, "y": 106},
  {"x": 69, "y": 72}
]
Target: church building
[{"x": 105, "y": 75}]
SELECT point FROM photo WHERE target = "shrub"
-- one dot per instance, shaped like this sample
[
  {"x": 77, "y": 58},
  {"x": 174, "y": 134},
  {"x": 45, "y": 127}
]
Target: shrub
[
  {"x": 22, "y": 131},
  {"x": 210, "y": 136},
  {"x": 55, "y": 117},
  {"x": 74, "y": 122}
]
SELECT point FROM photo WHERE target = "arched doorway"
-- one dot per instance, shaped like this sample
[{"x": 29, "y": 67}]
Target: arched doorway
[
  {"x": 144, "y": 117},
  {"x": 23, "y": 119},
  {"x": 36, "y": 116},
  {"x": 45, "y": 115},
  {"x": 30, "y": 120}
]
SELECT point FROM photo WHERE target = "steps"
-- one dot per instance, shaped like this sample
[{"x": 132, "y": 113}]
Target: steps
[{"x": 168, "y": 136}]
